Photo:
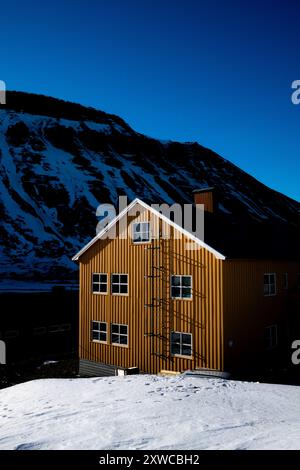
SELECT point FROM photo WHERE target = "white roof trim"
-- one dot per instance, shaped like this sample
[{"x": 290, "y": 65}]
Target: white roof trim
[{"x": 199, "y": 242}]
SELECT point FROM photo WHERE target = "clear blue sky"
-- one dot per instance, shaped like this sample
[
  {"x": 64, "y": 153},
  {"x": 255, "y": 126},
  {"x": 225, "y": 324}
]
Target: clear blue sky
[{"x": 218, "y": 72}]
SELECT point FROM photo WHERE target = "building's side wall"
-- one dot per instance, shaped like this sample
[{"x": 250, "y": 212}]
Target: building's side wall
[
  {"x": 202, "y": 315},
  {"x": 247, "y": 312}
]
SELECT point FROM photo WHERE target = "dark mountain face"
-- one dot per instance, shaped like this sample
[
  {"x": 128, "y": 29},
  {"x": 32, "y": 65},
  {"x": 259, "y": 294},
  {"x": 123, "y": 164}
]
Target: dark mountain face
[{"x": 59, "y": 161}]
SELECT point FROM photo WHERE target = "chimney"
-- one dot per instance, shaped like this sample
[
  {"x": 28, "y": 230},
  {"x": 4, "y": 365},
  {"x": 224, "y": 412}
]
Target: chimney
[{"x": 205, "y": 196}]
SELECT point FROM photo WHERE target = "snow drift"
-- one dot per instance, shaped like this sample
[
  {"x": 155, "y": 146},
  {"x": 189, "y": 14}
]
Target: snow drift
[{"x": 149, "y": 412}]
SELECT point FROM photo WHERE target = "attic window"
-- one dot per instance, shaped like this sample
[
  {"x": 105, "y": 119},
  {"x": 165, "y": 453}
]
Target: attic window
[
  {"x": 141, "y": 232},
  {"x": 269, "y": 284}
]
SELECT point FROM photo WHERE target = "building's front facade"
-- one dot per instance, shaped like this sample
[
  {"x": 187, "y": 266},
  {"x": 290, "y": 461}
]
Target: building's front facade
[{"x": 172, "y": 302}]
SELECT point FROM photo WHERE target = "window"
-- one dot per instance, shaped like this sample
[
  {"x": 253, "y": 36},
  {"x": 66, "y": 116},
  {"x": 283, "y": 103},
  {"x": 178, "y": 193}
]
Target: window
[
  {"x": 99, "y": 283},
  {"x": 119, "y": 284},
  {"x": 11, "y": 334},
  {"x": 285, "y": 281},
  {"x": 181, "y": 287},
  {"x": 270, "y": 284},
  {"x": 54, "y": 329},
  {"x": 119, "y": 334},
  {"x": 59, "y": 328},
  {"x": 141, "y": 232},
  {"x": 181, "y": 343},
  {"x": 99, "y": 331},
  {"x": 65, "y": 327},
  {"x": 271, "y": 337},
  {"x": 39, "y": 330}
]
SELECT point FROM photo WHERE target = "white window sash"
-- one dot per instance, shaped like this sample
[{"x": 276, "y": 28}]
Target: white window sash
[
  {"x": 182, "y": 287},
  {"x": 119, "y": 284},
  {"x": 144, "y": 233}
]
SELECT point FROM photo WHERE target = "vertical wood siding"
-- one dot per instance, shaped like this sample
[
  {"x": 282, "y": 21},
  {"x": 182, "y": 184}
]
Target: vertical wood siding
[{"x": 202, "y": 315}]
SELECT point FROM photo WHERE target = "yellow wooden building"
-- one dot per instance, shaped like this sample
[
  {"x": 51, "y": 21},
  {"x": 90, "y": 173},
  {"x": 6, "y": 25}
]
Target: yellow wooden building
[{"x": 154, "y": 297}]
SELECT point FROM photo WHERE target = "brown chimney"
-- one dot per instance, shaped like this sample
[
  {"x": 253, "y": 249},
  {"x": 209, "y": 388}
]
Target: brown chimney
[{"x": 205, "y": 196}]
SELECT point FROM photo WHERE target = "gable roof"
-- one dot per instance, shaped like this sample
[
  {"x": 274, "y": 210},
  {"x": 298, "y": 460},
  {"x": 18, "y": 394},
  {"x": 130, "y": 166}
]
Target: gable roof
[{"x": 136, "y": 201}]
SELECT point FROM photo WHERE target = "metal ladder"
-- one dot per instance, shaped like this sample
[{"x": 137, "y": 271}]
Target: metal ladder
[{"x": 157, "y": 269}]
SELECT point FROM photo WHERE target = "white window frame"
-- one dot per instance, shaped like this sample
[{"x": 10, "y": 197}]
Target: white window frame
[
  {"x": 119, "y": 284},
  {"x": 273, "y": 344},
  {"x": 181, "y": 287},
  {"x": 99, "y": 283},
  {"x": 119, "y": 334},
  {"x": 99, "y": 331},
  {"x": 269, "y": 293},
  {"x": 139, "y": 242},
  {"x": 285, "y": 281},
  {"x": 181, "y": 344}
]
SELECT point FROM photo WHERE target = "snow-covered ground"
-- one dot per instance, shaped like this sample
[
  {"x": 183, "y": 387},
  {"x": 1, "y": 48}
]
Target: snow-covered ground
[{"x": 149, "y": 412}]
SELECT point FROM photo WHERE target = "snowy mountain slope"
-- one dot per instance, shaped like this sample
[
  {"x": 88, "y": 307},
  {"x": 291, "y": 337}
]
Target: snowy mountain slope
[
  {"x": 59, "y": 161},
  {"x": 149, "y": 412}
]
